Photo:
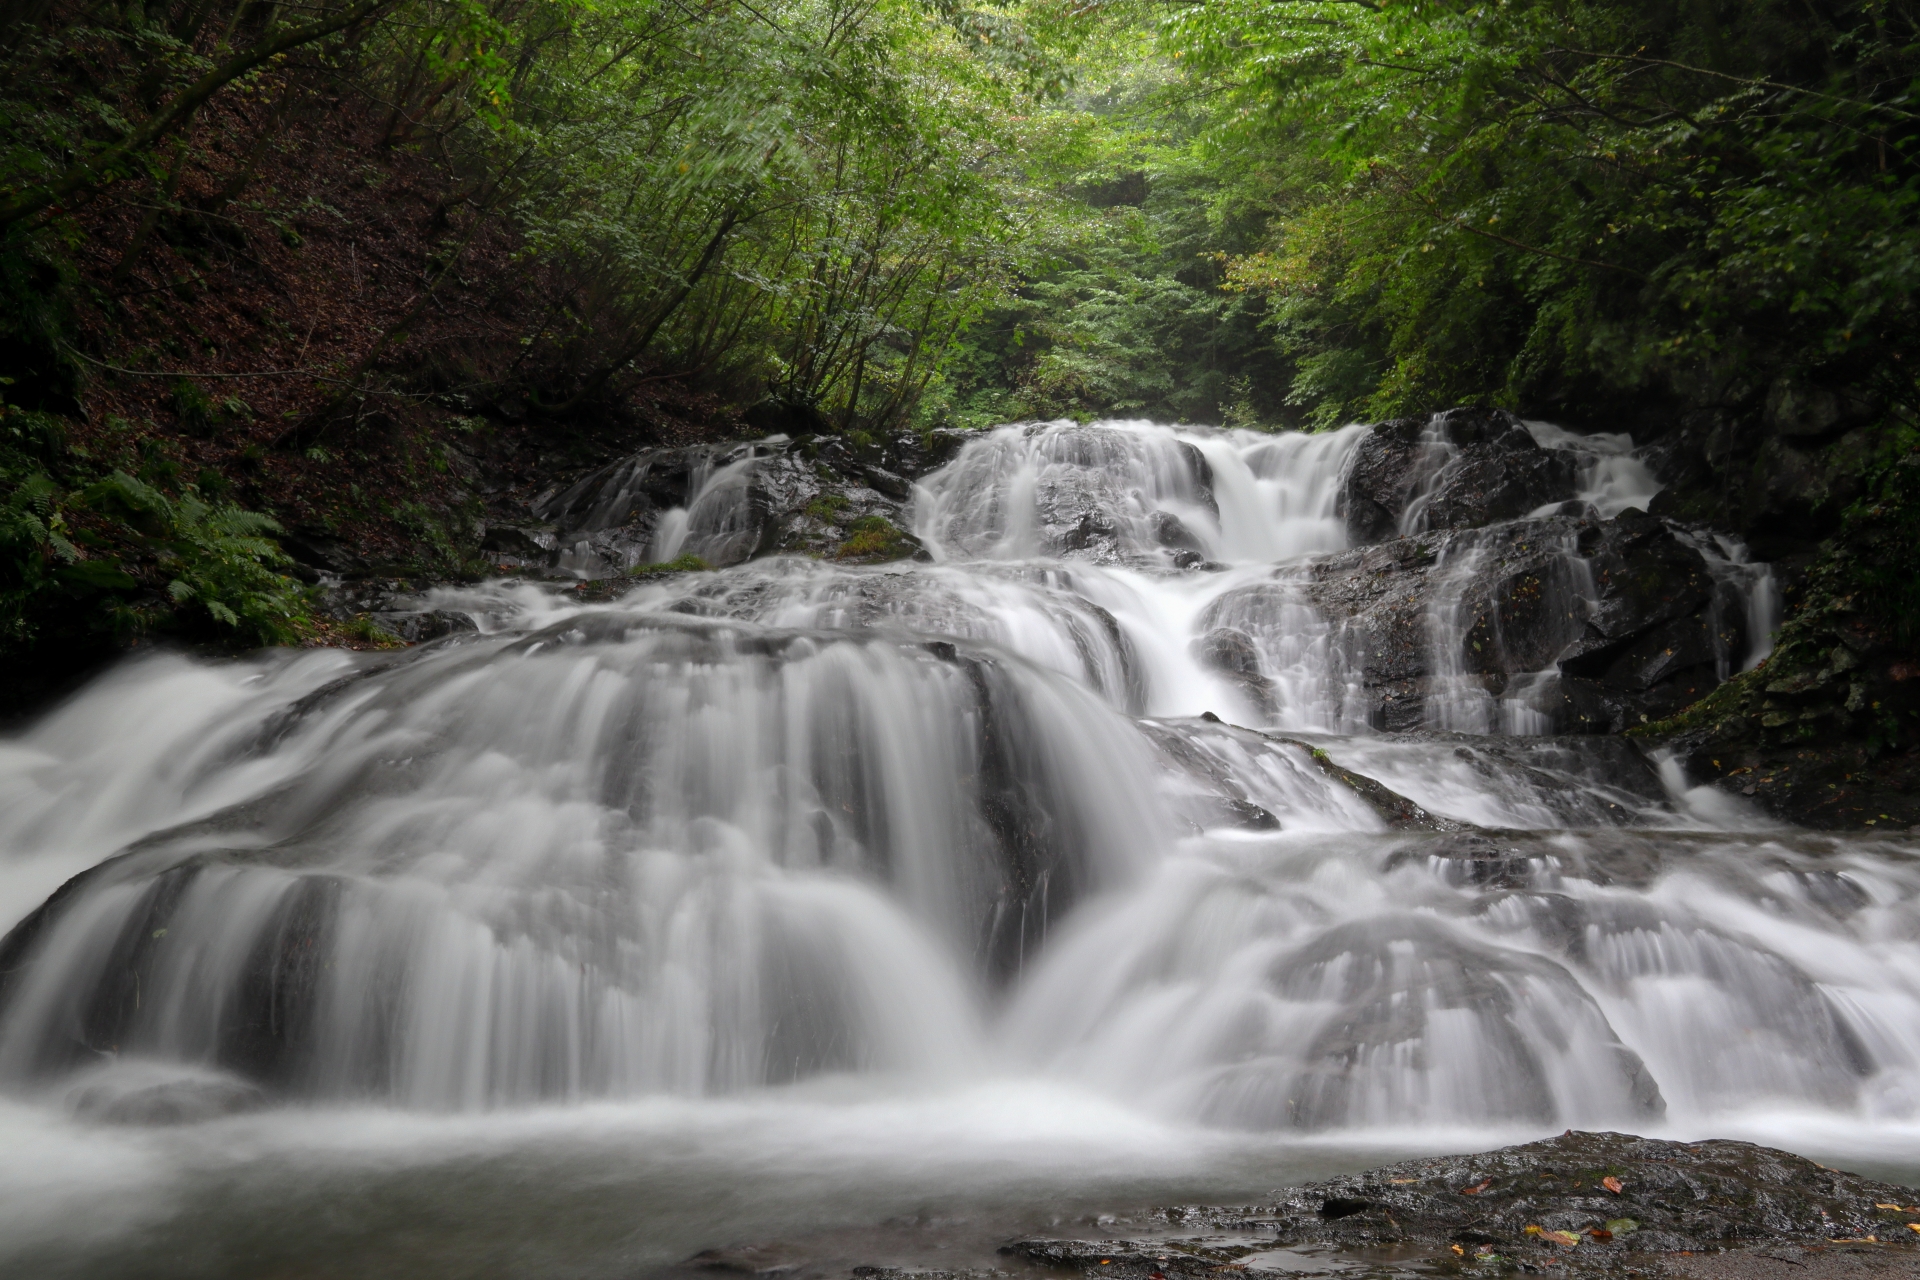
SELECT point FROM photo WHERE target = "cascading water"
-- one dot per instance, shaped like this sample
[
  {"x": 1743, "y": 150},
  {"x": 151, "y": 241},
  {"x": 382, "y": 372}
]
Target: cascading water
[{"x": 1144, "y": 790}]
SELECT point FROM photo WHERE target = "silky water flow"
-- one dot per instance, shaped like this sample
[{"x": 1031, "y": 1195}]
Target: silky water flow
[{"x": 801, "y": 894}]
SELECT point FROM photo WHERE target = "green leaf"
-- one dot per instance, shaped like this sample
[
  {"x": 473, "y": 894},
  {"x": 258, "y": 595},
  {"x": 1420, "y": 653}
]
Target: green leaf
[{"x": 96, "y": 575}]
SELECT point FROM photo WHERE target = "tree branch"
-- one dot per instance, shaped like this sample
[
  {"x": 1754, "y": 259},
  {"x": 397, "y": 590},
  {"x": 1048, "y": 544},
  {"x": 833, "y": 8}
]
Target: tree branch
[{"x": 1758, "y": 84}]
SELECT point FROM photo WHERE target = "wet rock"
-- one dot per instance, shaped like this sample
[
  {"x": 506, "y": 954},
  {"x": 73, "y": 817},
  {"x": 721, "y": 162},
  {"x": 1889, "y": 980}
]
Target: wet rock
[
  {"x": 1399, "y": 813},
  {"x": 418, "y": 626},
  {"x": 1168, "y": 531},
  {"x": 1230, "y": 651},
  {"x": 1233, "y": 654},
  {"x": 1380, "y": 480},
  {"x": 316, "y": 551},
  {"x": 1487, "y": 859},
  {"x": 528, "y": 542},
  {"x": 751, "y": 1260},
  {"x": 914, "y": 453},
  {"x": 1591, "y": 624},
  {"x": 1822, "y": 733},
  {"x": 1582, "y": 1204},
  {"x": 885, "y": 482},
  {"x": 1460, "y": 469},
  {"x": 1501, "y": 474},
  {"x": 730, "y": 503},
  {"x": 1222, "y": 799}
]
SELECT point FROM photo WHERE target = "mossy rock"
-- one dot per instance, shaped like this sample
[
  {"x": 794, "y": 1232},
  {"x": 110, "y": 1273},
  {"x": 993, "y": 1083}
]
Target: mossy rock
[{"x": 876, "y": 539}]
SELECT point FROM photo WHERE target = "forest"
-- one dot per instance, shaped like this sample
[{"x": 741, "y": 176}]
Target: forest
[{"x": 265, "y": 264}]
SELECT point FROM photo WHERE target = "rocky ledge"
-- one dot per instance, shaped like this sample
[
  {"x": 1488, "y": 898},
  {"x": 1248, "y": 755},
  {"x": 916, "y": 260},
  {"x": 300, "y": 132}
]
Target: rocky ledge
[{"x": 1582, "y": 1204}]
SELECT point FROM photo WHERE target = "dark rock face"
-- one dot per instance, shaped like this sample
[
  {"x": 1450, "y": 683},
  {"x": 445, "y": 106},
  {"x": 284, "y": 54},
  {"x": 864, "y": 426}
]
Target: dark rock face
[
  {"x": 1813, "y": 735},
  {"x": 1456, "y": 470},
  {"x": 1777, "y": 463},
  {"x": 1583, "y": 1204},
  {"x": 316, "y": 551},
  {"x": 1626, "y": 608}
]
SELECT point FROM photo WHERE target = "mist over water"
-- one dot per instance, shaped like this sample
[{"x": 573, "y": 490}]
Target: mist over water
[{"x": 800, "y": 895}]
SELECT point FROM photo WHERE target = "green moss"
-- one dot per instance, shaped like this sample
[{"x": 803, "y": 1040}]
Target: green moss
[
  {"x": 876, "y": 538},
  {"x": 1729, "y": 699},
  {"x": 684, "y": 564},
  {"x": 826, "y": 506},
  {"x": 365, "y": 628}
]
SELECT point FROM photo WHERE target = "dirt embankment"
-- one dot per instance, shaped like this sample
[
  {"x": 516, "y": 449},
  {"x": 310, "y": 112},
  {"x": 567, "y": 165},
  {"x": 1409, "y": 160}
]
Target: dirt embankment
[{"x": 333, "y": 332}]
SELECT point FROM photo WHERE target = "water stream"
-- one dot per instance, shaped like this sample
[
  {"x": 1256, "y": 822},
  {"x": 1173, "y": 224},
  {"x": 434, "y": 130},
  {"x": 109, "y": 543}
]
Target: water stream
[{"x": 797, "y": 896}]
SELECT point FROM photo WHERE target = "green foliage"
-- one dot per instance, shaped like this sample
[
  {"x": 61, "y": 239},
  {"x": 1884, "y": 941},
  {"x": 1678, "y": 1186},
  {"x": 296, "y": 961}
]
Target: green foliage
[
  {"x": 84, "y": 570},
  {"x": 34, "y": 547},
  {"x": 1121, "y": 312},
  {"x": 875, "y": 213},
  {"x": 215, "y": 560},
  {"x": 1571, "y": 203},
  {"x": 808, "y": 199},
  {"x": 1876, "y": 551},
  {"x": 1588, "y": 206}
]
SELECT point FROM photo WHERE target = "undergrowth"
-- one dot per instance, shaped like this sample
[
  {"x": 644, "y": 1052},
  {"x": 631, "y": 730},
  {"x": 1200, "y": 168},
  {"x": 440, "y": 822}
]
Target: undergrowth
[{"x": 94, "y": 557}]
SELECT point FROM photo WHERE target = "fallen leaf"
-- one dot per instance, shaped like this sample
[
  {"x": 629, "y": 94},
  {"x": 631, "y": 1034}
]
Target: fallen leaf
[
  {"x": 1458, "y": 1251},
  {"x": 1622, "y": 1226},
  {"x": 1600, "y": 1233},
  {"x": 1535, "y": 1230},
  {"x": 1913, "y": 1226},
  {"x": 1612, "y": 1184},
  {"x": 1401, "y": 1182},
  {"x": 1561, "y": 1237},
  {"x": 1476, "y": 1190},
  {"x": 1894, "y": 1207}
]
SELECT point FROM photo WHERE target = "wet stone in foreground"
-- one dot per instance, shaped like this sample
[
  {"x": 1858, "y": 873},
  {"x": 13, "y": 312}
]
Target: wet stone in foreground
[{"x": 1583, "y": 1204}]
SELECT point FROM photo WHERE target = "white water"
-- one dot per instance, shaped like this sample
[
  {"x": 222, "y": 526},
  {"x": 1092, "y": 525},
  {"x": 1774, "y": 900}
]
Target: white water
[
  {"x": 800, "y": 894},
  {"x": 1612, "y": 477}
]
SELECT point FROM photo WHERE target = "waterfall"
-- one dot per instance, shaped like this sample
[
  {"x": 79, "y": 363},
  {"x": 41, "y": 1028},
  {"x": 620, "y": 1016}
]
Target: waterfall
[{"x": 1163, "y": 776}]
